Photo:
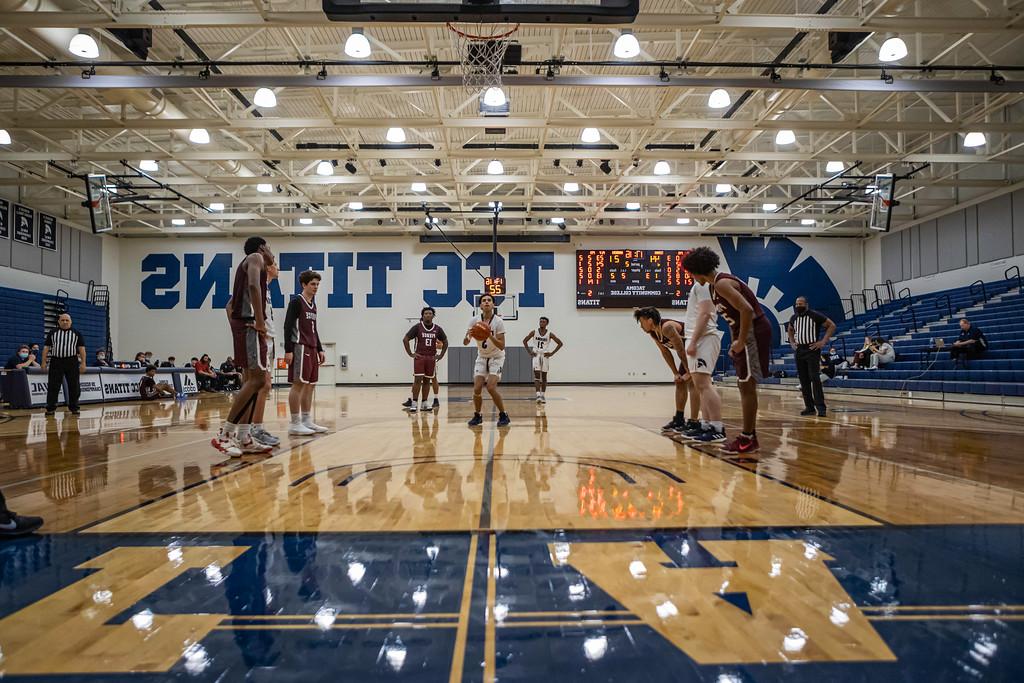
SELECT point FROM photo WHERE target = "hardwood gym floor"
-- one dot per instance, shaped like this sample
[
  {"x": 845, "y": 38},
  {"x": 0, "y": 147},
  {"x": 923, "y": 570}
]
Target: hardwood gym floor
[{"x": 886, "y": 540}]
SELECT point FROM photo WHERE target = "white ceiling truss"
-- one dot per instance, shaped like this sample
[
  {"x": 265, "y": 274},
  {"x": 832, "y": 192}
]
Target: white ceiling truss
[{"x": 329, "y": 108}]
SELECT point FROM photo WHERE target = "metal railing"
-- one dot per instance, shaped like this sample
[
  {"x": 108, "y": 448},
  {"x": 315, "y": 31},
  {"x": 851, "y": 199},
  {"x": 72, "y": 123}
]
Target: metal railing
[
  {"x": 847, "y": 315},
  {"x": 979, "y": 286},
  {"x": 863, "y": 299},
  {"x": 913, "y": 318},
  {"x": 949, "y": 303},
  {"x": 1006, "y": 274}
]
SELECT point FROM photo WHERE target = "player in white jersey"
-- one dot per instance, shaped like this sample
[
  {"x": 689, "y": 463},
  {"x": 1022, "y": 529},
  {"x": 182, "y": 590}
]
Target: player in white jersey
[
  {"x": 703, "y": 346},
  {"x": 490, "y": 359},
  {"x": 538, "y": 345}
]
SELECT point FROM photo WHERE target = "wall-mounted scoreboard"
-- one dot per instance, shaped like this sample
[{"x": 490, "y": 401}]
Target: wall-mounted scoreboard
[{"x": 627, "y": 278}]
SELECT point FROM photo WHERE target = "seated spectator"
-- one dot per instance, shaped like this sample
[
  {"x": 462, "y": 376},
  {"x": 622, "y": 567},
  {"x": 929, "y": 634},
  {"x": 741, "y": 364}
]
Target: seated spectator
[
  {"x": 832, "y": 362},
  {"x": 140, "y": 358},
  {"x": 862, "y": 357},
  {"x": 101, "y": 359},
  {"x": 22, "y": 360},
  {"x": 882, "y": 353},
  {"x": 150, "y": 389},
  {"x": 149, "y": 359},
  {"x": 192, "y": 363},
  {"x": 34, "y": 350},
  {"x": 231, "y": 378},
  {"x": 169, "y": 363},
  {"x": 970, "y": 345},
  {"x": 206, "y": 376}
]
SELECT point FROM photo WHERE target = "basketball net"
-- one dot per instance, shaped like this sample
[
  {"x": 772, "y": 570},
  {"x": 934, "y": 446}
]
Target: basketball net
[{"x": 480, "y": 47}]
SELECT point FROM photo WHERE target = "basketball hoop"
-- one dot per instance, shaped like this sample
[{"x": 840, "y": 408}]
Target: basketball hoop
[{"x": 480, "y": 47}]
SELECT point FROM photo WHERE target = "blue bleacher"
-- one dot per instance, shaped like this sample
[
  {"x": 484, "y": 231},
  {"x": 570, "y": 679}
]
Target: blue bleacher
[
  {"x": 912, "y": 323},
  {"x": 24, "y": 321}
]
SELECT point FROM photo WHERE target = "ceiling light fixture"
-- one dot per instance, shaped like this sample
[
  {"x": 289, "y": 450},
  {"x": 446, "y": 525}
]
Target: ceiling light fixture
[
  {"x": 626, "y": 46},
  {"x": 265, "y": 98},
  {"x": 419, "y": 187},
  {"x": 355, "y": 206},
  {"x": 5, "y": 137},
  {"x": 807, "y": 221},
  {"x": 264, "y": 187},
  {"x": 396, "y": 135},
  {"x": 632, "y": 206},
  {"x": 662, "y": 168},
  {"x": 769, "y": 206},
  {"x": 149, "y": 165},
  {"x": 590, "y": 135},
  {"x": 723, "y": 188},
  {"x": 975, "y": 139},
  {"x": 558, "y": 220},
  {"x": 682, "y": 221},
  {"x": 834, "y": 167},
  {"x": 216, "y": 206},
  {"x": 306, "y": 221},
  {"x": 572, "y": 187},
  {"x": 495, "y": 97},
  {"x": 357, "y": 46},
  {"x": 84, "y": 45},
  {"x": 892, "y": 50},
  {"x": 325, "y": 168},
  {"x": 177, "y": 221},
  {"x": 199, "y": 136},
  {"x": 785, "y": 137},
  {"x": 495, "y": 167},
  {"x": 719, "y": 99}
]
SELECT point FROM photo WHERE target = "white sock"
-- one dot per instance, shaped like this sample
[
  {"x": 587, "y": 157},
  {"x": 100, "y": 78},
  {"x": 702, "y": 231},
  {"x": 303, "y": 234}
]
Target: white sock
[
  {"x": 306, "y": 418},
  {"x": 228, "y": 429},
  {"x": 244, "y": 432},
  {"x": 295, "y": 418},
  {"x": 413, "y": 399},
  {"x": 718, "y": 426}
]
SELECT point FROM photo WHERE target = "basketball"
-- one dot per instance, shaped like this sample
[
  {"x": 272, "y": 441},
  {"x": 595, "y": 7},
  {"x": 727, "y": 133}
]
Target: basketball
[{"x": 480, "y": 331}]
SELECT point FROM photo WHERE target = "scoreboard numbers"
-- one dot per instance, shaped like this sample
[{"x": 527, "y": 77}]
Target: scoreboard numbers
[{"x": 627, "y": 278}]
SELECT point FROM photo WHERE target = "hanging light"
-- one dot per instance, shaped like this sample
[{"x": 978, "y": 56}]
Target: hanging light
[
  {"x": 769, "y": 206},
  {"x": 396, "y": 135},
  {"x": 265, "y": 98},
  {"x": 264, "y": 187},
  {"x": 723, "y": 188},
  {"x": 199, "y": 136},
  {"x": 357, "y": 46},
  {"x": 5, "y": 137},
  {"x": 495, "y": 167},
  {"x": 84, "y": 45},
  {"x": 834, "y": 167},
  {"x": 807, "y": 221},
  {"x": 305, "y": 221},
  {"x": 355, "y": 206},
  {"x": 892, "y": 50},
  {"x": 626, "y": 46},
  {"x": 632, "y": 206},
  {"x": 419, "y": 187},
  {"x": 325, "y": 168},
  {"x": 682, "y": 221},
  {"x": 572, "y": 187},
  {"x": 590, "y": 135},
  {"x": 216, "y": 206},
  {"x": 662, "y": 168},
  {"x": 149, "y": 165},
  {"x": 975, "y": 139},
  {"x": 177, "y": 221},
  {"x": 495, "y": 97},
  {"x": 558, "y": 220},
  {"x": 785, "y": 137},
  {"x": 719, "y": 99}
]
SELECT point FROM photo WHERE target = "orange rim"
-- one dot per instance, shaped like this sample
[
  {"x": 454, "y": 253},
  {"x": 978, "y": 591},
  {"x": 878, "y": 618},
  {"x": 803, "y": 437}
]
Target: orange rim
[{"x": 470, "y": 36}]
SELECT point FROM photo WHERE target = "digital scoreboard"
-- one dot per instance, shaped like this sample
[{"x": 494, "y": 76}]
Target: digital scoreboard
[
  {"x": 495, "y": 286},
  {"x": 628, "y": 278}
]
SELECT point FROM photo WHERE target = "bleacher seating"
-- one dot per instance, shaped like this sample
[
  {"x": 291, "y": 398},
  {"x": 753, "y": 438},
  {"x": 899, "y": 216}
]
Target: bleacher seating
[
  {"x": 912, "y": 323},
  {"x": 24, "y": 319}
]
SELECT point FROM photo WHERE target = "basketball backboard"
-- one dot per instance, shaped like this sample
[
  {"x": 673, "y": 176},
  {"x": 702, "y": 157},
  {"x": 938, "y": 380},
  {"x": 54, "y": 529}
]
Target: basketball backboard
[
  {"x": 882, "y": 203},
  {"x": 508, "y": 307},
  {"x": 520, "y": 11},
  {"x": 97, "y": 200}
]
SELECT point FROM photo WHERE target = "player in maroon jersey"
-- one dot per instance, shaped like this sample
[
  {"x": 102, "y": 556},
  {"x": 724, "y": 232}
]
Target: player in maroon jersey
[
  {"x": 751, "y": 334},
  {"x": 429, "y": 338},
  {"x": 304, "y": 354},
  {"x": 249, "y": 334},
  {"x": 668, "y": 335}
]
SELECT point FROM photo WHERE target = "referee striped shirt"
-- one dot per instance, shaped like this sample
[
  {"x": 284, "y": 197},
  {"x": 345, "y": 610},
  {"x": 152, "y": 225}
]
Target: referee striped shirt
[
  {"x": 64, "y": 343},
  {"x": 806, "y": 327}
]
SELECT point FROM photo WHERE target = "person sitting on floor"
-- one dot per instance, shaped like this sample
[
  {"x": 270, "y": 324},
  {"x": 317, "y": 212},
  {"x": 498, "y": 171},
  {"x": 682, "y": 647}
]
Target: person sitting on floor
[
  {"x": 970, "y": 345},
  {"x": 882, "y": 353},
  {"x": 150, "y": 389},
  {"x": 22, "y": 360}
]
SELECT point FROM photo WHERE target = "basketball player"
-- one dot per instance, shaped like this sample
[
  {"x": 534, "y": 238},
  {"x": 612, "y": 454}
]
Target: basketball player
[
  {"x": 249, "y": 334},
  {"x": 703, "y": 344},
  {"x": 667, "y": 335},
  {"x": 489, "y": 360},
  {"x": 304, "y": 354},
  {"x": 751, "y": 335},
  {"x": 541, "y": 340},
  {"x": 429, "y": 338}
]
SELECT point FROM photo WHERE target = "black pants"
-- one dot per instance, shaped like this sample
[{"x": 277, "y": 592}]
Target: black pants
[
  {"x": 62, "y": 369},
  {"x": 965, "y": 353},
  {"x": 808, "y": 368},
  {"x": 4, "y": 512}
]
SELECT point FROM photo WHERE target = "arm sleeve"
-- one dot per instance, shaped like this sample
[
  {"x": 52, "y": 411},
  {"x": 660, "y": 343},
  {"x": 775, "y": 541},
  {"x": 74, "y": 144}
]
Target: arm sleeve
[
  {"x": 411, "y": 334},
  {"x": 291, "y": 322},
  {"x": 49, "y": 339},
  {"x": 81, "y": 340},
  {"x": 817, "y": 317}
]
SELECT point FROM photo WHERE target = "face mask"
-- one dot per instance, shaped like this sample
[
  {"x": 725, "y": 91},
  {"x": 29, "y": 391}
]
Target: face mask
[
  {"x": 800, "y": 309},
  {"x": 149, "y": 357},
  {"x": 101, "y": 357},
  {"x": 23, "y": 356}
]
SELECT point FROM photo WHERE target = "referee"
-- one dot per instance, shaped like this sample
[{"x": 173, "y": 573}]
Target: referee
[
  {"x": 64, "y": 357},
  {"x": 805, "y": 330}
]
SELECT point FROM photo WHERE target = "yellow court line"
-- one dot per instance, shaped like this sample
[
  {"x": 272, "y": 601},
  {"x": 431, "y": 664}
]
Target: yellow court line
[
  {"x": 941, "y": 608},
  {"x": 489, "y": 633},
  {"x": 586, "y": 613},
  {"x": 582, "y": 622},
  {"x": 459, "y": 652},
  {"x": 945, "y": 617},
  {"x": 344, "y": 627},
  {"x": 398, "y": 615}
]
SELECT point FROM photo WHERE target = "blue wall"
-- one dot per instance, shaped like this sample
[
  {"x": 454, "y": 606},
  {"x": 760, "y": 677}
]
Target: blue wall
[{"x": 23, "y": 316}]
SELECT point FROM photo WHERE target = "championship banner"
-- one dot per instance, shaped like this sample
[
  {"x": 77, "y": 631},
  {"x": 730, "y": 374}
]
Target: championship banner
[
  {"x": 5, "y": 219},
  {"x": 47, "y": 232},
  {"x": 24, "y": 224}
]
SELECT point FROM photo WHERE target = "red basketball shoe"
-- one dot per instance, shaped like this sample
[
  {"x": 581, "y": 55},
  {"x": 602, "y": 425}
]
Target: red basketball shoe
[{"x": 742, "y": 445}]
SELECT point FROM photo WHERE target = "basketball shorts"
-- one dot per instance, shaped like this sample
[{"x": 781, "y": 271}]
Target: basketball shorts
[
  {"x": 708, "y": 348},
  {"x": 541, "y": 362},
  {"x": 424, "y": 366},
  {"x": 250, "y": 348},
  {"x": 489, "y": 366},
  {"x": 755, "y": 358},
  {"x": 305, "y": 366}
]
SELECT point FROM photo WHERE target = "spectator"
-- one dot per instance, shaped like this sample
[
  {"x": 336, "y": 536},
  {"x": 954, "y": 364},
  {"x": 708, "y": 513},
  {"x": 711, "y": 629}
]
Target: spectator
[
  {"x": 231, "y": 378},
  {"x": 206, "y": 376},
  {"x": 169, "y": 363},
  {"x": 832, "y": 362},
  {"x": 882, "y": 353},
  {"x": 140, "y": 358},
  {"x": 22, "y": 360},
  {"x": 150, "y": 389},
  {"x": 12, "y": 525},
  {"x": 969, "y": 346},
  {"x": 149, "y": 359},
  {"x": 862, "y": 357},
  {"x": 192, "y": 363},
  {"x": 101, "y": 359},
  {"x": 34, "y": 350}
]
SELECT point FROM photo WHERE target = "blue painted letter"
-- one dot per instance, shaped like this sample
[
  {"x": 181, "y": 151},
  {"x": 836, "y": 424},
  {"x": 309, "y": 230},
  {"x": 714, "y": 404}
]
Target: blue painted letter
[
  {"x": 378, "y": 263},
  {"x": 152, "y": 297},
  {"x": 532, "y": 262},
  {"x": 198, "y": 284},
  {"x": 452, "y": 263}
]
